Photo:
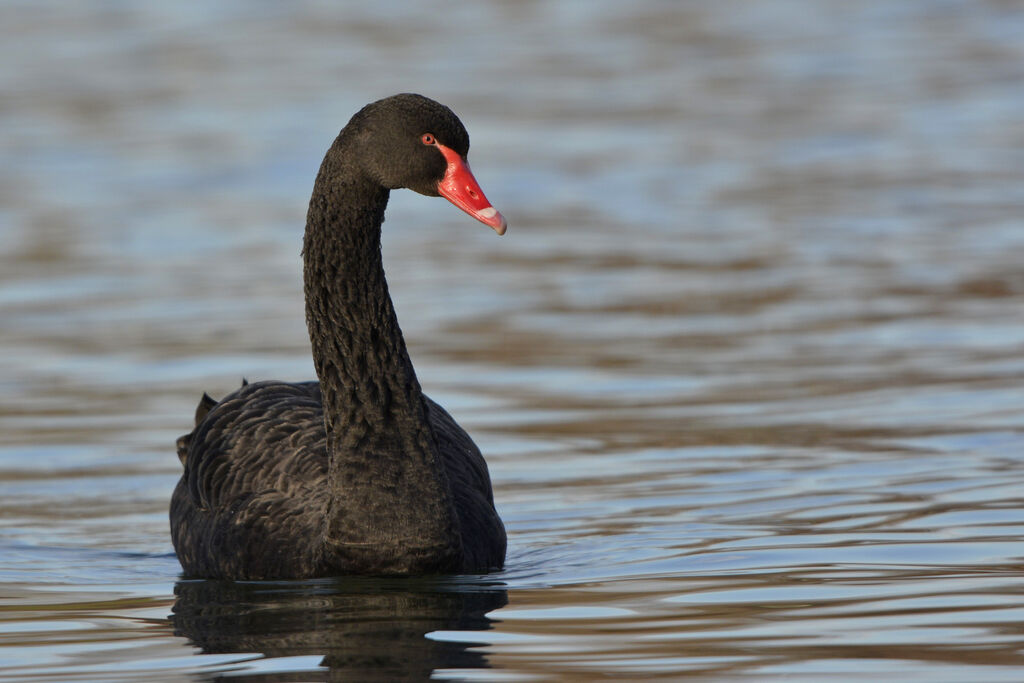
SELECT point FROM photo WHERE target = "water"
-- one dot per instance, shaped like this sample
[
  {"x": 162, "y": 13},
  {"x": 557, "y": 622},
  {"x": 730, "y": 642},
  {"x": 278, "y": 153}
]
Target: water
[{"x": 747, "y": 367}]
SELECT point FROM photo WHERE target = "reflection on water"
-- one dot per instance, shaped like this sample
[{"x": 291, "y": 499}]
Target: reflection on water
[
  {"x": 359, "y": 629},
  {"x": 747, "y": 367}
]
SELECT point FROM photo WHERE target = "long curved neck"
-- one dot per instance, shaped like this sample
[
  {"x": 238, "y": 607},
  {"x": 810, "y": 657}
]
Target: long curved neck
[
  {"x": 389, "y": 487},
  {"x": 360, "y": 356}
]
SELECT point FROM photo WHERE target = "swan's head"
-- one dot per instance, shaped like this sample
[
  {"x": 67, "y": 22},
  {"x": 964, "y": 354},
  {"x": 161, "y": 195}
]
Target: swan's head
[{"x": 414, "y": 142}]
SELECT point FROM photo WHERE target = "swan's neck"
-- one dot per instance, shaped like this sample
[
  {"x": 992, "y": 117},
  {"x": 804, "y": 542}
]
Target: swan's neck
[{"x": 390, "y": 490}]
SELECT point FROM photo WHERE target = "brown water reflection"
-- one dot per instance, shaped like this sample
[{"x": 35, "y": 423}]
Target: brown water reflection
[{"x": 747, "y": 367}]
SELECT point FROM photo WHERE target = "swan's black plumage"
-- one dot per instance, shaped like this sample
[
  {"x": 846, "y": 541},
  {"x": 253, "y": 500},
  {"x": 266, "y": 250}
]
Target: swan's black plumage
[{"x": 360, "y": 472}]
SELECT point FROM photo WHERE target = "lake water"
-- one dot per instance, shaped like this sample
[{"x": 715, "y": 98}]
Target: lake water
[{"x": 748, "y": 367}]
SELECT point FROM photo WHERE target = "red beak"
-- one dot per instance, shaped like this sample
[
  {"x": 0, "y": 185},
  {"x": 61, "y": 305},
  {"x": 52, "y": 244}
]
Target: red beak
[{"x": 460, "y": 188}]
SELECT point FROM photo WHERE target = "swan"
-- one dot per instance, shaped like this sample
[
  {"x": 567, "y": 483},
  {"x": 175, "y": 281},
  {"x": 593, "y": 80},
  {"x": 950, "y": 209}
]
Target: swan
[{"x": 358, "y": 472}]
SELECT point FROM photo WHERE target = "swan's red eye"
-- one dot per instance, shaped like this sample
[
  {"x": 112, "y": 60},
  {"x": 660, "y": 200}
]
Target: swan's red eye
[{"x": 428, "y": 139}]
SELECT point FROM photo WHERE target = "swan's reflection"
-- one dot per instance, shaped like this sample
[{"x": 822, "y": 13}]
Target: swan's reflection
[{"x": 365, "y": 628}]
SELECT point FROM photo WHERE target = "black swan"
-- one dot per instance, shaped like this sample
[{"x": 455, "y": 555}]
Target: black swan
[{"x": 360, "y": 472}]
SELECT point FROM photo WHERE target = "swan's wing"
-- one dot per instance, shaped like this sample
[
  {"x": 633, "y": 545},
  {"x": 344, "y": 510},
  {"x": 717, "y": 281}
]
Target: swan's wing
[
  {"x": 252, "y": 500},
  {"x": 267, "y": 436},
  {"x": 464, "y": 462},
  {"x": 483, "y": 534}
]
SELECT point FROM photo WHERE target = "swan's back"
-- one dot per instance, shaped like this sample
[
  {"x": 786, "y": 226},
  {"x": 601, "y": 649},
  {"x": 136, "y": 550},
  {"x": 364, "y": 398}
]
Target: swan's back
[{"x": 253, "y": 500}]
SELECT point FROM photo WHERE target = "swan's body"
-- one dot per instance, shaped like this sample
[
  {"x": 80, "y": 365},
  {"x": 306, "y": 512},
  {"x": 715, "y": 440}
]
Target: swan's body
[{"x": 360, "y": 472}]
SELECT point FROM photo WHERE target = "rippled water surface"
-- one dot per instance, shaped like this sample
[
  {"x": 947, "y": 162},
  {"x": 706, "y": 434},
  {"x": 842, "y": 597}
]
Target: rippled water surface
[{"x": 748, "y": 367}]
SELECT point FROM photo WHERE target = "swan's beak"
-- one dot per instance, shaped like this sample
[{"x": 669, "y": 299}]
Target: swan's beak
[{"x": 460, "y": 188}]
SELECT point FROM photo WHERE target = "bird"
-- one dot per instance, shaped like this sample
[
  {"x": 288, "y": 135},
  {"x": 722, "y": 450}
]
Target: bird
[{"x": 357, "y": 472}]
